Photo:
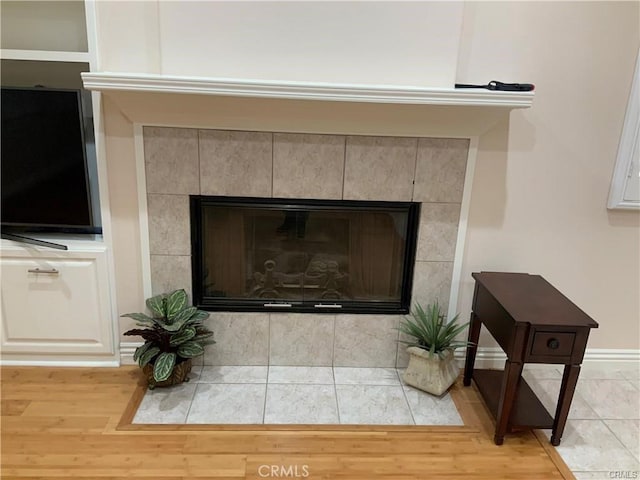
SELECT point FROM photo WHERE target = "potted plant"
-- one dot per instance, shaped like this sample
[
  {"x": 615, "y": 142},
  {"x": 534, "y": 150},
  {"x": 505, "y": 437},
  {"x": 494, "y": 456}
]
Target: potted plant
[
  {"x": 432, "y": 366},
  {"x": 173, "y": 335}
]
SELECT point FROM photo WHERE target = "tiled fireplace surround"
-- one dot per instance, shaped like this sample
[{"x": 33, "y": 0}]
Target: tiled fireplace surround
[{"x": 182, "y": 161}]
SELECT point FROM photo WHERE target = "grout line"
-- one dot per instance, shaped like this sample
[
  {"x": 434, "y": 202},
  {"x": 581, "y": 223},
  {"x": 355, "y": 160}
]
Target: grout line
[
  {"x": 333, "y": 348},
  {"x": 335, "y": 395},
  {"x": 406, "y": 399},
  {"x": 344, "y": 165},
  {"x": 193, "y": 396},
  {"x": 415, "y": 170},
  {"x": 395, "y": 363},
  {"x": 273, "y": 156},
  {"x": 199, "y": 163},
  {"x": 268, "y": 344},
  {"x": 616, "y": 436},
  {"x": 264, "y": 407}
]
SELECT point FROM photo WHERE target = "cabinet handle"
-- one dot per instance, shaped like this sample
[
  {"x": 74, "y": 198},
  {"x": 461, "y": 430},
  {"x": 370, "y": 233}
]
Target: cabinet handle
[
  {"x": 277, "y": 305},
  {"x": 327, "y": 305},
  {"x": 553, "y": 343},
  {"x": 51, "y": 271}
]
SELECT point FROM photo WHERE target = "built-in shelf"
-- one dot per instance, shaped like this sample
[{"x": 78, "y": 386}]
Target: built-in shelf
[
  {"x": 44, "y": 55},
  {"x": 106, "y": 81}
]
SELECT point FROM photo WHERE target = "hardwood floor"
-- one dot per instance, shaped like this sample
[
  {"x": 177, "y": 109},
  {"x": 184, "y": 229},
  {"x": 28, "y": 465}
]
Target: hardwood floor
[{"x": 72, "y": 423}]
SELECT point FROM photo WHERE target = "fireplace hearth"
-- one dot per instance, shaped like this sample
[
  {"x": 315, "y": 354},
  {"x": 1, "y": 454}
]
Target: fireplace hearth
[{"x": 257, "y": 254}]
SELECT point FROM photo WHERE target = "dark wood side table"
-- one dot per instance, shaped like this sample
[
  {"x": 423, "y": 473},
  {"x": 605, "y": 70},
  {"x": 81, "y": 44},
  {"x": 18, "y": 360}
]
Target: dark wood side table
[{"x": 533, "y": 323}]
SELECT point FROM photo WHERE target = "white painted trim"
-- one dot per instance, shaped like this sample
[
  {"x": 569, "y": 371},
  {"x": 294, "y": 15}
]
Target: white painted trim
[
  {"x": 45, "y": 55},
  {"x": 494, "y": 357},
  {"x": 456, "y": 276},
  {"x": 608, "y": 355},
  {"x": 240, "y": 87},
  {"x": 59, "y": 363},
  {"x": 628, "y": 149},
  {"x": 105, "y": 214},
  {"x": 91, "y": 23},
  {"x": 143, "y": 215},
  {"x": 126, "y": 352},
  {"x": 74, "y": 245}
]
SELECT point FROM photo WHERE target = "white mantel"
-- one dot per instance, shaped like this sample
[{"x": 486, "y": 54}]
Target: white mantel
[{"x": 293, "y": 90}]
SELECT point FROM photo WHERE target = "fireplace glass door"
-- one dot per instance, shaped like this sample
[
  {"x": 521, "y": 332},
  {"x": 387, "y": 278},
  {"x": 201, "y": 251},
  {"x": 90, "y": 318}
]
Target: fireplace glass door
[{"x": 302, "y": 255}]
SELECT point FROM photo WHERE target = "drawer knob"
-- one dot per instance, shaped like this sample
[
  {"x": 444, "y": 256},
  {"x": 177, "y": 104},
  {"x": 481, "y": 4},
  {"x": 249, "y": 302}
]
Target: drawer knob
[{"x": 553, "y": 343}]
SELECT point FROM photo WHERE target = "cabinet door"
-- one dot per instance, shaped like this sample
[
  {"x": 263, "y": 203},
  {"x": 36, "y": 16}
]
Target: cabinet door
[{"x": 62, "y": 311}]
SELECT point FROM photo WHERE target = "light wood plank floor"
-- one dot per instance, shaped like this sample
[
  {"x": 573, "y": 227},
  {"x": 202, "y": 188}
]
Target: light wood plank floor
[{"x": 72, "y": 423}]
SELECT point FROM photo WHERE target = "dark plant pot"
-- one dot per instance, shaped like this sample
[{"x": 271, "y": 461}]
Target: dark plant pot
[{"x": 180, "y": 374}]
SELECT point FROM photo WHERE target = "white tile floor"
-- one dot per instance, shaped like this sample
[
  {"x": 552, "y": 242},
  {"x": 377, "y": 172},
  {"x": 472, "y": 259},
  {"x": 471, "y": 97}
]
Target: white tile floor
[
  {"x": 602, "y": 436},
  {"x": 601, "y": 439},
  {"x": 295, "y": 395}
]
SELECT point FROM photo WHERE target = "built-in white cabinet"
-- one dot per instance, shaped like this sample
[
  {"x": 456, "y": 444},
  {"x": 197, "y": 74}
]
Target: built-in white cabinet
[
  {"x": 44, "y": 30},
  {"x": 56, "y": 304},
  {"x": 58, "y": 307}
]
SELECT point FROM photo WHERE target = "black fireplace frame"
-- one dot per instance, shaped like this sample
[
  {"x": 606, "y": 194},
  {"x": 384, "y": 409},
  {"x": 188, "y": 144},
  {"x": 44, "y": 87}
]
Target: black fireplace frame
[{"x": 197, "y": 202}]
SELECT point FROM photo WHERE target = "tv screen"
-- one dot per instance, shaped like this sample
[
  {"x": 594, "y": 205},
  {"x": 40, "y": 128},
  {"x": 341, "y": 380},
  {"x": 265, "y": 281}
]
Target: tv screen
[{"x": 44, "y": 169}]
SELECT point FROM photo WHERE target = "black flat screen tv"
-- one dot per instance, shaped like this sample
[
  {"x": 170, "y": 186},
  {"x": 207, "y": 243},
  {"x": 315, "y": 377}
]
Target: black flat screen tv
[{"x": 45, "y": 185}]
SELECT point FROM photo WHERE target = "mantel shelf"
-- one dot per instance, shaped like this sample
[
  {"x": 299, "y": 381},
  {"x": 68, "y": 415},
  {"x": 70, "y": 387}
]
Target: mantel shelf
[
  {"x": 44, "y": 55},
  {"x": 384, "y": 94}
]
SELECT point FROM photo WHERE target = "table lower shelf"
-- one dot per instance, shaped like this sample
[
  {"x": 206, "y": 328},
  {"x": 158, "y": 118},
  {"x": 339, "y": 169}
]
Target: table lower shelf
[{"x": 527, "y": 411}]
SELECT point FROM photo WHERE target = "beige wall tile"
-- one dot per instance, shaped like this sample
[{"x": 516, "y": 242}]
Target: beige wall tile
[
  {"x": 379, "y": 168},
  {"x": 301, "y": 339},
  {"x": 171, "y": 160},
  {"x": 170, "y": 272},
  {"x": 308, "y": 166},
  {"x": 438, "y": 231},
  {"x": 431, "y": 282},
  {"x": 440, "y": 170},
  {"x": 366, "y": 341},
  {"x": 241, "y": 339},
  {"x": 169, "y": 231},
  {"x": 235, "y": 163},
  {"x": 403, "y": 357}
]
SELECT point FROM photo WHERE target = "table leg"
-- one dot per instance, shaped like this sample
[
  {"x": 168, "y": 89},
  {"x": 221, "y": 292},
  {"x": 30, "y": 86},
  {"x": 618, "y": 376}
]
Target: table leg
[
  {"x": 474, "y": 335},
  {"x": 568, "y": 387},
  {"x": 510, "y": 380}
]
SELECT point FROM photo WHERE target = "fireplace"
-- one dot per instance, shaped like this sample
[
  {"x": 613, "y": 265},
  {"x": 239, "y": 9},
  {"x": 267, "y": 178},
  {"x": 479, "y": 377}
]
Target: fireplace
[
  {"x": 301, "y": 170},
  {"x": 257, "y": 254}
]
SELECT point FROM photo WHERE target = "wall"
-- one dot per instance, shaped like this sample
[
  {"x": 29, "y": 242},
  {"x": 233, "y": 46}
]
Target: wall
[
  {"x": 542, "y": 175},
  {"x": 542, "y": 180},
  {"x": 345, "y": 42}
]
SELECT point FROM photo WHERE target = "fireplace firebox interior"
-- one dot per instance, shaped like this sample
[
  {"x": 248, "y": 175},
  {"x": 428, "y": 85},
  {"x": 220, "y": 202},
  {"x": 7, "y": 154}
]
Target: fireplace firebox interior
[{"x": 257, "y": 254}]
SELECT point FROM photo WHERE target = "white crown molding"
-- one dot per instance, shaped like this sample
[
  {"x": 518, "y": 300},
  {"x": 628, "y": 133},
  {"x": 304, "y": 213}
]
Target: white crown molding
[{"x": 132, "y": 82}]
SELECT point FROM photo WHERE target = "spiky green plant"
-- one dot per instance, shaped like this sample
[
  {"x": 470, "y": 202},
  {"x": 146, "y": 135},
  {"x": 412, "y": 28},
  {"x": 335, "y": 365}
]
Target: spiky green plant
[
  {"x": 174, "y": 333},
  {"x": 430, "y": 331}
]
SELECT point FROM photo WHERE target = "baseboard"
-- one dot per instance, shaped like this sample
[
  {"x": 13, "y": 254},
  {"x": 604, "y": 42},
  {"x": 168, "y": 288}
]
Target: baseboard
[
  {"x": 54, "y": 362},
  {"x": 494, "y": 357},
  {"x": 486, "y": 357},
  {"x": 603, "y": 356},
  {"x": 126, "y": 352}
]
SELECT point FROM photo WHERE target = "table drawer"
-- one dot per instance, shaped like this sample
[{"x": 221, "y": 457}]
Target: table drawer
[{"x": 553, "y": 344}]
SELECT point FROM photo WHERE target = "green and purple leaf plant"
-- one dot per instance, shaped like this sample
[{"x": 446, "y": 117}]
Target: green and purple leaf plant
[{"x": 172, "y": 334}]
